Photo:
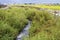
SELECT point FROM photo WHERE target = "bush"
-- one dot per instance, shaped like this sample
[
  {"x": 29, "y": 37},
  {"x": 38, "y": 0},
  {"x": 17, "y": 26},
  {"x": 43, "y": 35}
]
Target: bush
[
  {"x": 44, "y": 26},
  {"x": 12, "y": 21},
  {"x": 7, "y": 31}
]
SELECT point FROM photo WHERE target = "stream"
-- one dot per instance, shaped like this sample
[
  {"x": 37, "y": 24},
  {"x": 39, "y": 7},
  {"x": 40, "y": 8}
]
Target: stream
[{"x": 25, "y": 32}]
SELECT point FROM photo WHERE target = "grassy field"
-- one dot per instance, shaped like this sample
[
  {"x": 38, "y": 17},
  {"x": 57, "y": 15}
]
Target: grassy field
[
  {"x": 12, "y": 21},
  {"x": 52, "y": 7},
  {"x": 45, "y": 26},
  {"x": 49, "y": 7}
]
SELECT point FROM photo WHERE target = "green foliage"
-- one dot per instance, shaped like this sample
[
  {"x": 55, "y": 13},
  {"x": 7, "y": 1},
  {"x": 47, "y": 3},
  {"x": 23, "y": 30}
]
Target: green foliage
[
  {"x": 12, "y": 21},
  {"x": 44, "y": 26}
]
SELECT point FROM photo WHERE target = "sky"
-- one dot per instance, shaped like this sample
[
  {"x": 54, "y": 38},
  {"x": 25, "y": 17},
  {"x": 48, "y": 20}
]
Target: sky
[{"x": 29, "y": 1}]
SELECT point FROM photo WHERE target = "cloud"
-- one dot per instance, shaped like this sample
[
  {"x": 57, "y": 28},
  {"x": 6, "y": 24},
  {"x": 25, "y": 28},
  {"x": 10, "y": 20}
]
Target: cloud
[{"x": 29, "y": 1}]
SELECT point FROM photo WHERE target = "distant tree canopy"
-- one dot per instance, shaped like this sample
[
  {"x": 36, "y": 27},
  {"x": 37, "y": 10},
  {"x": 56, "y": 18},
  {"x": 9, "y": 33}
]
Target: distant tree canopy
[
  {"x": 2, "y": 6},
  {"x": 29, "y": 3}
]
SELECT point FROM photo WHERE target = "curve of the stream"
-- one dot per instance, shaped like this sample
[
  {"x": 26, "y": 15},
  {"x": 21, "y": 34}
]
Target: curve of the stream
[{"x": 25, "y": 32}]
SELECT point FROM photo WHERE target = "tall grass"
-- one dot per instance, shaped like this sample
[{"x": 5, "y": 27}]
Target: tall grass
[
  {"x": 44, "y": 25},
  {"x": 12, "y": 21}
]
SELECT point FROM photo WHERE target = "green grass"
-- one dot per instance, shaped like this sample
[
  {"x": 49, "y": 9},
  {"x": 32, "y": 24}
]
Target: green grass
[
  {"x": 44, "y": 26},
  {"x": 12, "y": 21},
  {"x": 52, "y": 7}
]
